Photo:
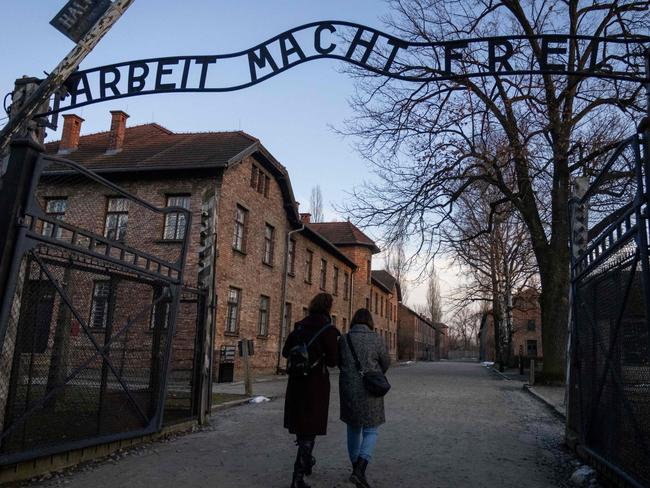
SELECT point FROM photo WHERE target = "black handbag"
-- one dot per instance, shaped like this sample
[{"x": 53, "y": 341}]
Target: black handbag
[{"x": 374, "y": 382}]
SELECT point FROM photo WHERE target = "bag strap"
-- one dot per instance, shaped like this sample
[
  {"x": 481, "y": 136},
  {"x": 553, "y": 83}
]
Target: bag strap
[
  {"x": 354, "y": 354},
  {"x": 318, "y": 333}
]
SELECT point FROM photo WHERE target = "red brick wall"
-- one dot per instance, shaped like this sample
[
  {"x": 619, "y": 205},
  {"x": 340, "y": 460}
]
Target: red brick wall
[{"x": 416, "y": 338}]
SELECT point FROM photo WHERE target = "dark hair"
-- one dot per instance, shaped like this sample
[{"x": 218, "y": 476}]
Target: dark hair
[
  {"x": 363, "y": 316},
  {"x": 321, "y": 304}
]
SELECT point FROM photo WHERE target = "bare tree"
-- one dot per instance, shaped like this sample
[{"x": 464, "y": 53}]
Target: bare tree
[
  {"x": 398, "y": 265},
  {"x": 434, "y": 299},
  {"x": 316, "y": 204},
  {"x": 432, "y": 141}
]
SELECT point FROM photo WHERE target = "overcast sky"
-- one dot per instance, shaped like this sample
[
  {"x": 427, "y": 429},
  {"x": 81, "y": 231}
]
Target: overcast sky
[{"x": 292, "y": 113}]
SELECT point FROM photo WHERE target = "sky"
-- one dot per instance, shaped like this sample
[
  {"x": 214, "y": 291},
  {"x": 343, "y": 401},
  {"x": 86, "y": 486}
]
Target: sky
[{"x": 293, "y": 114}]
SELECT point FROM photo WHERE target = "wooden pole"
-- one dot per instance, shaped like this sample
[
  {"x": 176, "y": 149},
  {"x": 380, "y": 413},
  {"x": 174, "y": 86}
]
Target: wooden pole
[
  {"x": 248, "y": 376},
  {"x": 22, "y": 114}
]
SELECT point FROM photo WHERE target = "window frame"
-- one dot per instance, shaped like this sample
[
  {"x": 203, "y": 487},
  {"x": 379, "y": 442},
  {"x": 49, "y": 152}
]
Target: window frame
[
  {"x": 335, "y": 281},
  {"x": 236, "y": 238},
  {"x": 309, "y": 266},
  {"x": 47, "y": 226},
  {"x": 346, "y": 286},
  {"x": 269, "y": 245},
  {"x": 254, "y": 176},
  {"x": 264, "y": 312},
  {"x": 291, "y": 257},
  {"x": 93, "y": 309},
  {"x": 120, "y": 214},
  {"x": 237, "y": 308},
  {"x": 322, "y": 275},
  {"x": 168, "y": 216}
]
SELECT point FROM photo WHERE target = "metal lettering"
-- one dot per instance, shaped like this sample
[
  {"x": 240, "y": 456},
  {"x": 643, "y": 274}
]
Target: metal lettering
[
  {"x": 318, "y": 44},
  {"x": 546, "y": 50},
  {"x": 358, "y": 41},
  {"x": 493, "y": 59},
  {"x": 162, "y": 71},
  {"x": 397, "y": 45},
  {"x": 111, "y": 85},
  {"x": 204, "y": 62},
  {"x": 294, "y": 49},
  {"x": 75, "y": 91},
  {"x": 450, "y": 53},
  {"x": 260, "y": 61},
  {"x": 137, "y": 82}
]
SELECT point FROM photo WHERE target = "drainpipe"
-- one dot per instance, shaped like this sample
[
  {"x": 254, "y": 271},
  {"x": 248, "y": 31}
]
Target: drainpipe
[{"x": 283, "y": 303}]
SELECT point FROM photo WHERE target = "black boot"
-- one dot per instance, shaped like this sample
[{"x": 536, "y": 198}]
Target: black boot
[
  {"x": 358, "y": 476},
  {"x": 300, "y": 466},
  {"x": 309, "y": 461}
]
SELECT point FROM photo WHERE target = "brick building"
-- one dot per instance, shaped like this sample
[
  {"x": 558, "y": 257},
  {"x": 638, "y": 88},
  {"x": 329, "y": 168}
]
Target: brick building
[
  {"x": 526, "y": 329},
  {"x": 416, "y": 336},
  {"x": 270, "y": 259}
]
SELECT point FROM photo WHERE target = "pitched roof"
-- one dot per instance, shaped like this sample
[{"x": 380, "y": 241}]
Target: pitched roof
[
  {"x": 153, "y": 147},
  {"x": 344, "y": 234},
  {"x": 388, "y": 281}
]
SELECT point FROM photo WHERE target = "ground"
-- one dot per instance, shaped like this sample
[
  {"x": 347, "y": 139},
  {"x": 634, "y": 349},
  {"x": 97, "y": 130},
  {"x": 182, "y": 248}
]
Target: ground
[{"x": 448, "y": 425}]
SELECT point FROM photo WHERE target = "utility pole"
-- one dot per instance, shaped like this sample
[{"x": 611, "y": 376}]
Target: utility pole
[{"x": 22, "y": 113}]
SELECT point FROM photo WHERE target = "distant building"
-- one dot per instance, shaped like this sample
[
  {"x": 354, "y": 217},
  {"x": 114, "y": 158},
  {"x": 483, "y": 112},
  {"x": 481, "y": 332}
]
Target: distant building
[{"x": 416, "y": 336}]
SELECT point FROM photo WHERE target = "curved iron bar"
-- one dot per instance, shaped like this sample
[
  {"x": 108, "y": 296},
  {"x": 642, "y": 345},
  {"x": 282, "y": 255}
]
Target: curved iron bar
[{"x": 429, "y": 74}]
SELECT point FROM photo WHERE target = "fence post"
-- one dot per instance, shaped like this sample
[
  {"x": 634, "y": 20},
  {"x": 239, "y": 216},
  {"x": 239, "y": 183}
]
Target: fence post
[{"x": 531, "y": 379}]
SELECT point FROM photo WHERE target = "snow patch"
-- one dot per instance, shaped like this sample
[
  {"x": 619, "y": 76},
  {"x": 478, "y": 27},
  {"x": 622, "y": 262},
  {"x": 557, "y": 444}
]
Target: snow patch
[
  {"x": 259, "y": 399},
  {"x": 582, "y": 476},
  {"x": 487, "y": 364}
]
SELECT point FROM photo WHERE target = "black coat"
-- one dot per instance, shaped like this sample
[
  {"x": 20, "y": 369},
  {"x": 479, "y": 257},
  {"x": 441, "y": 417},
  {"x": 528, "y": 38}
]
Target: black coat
[{"x": 306, "y": 403}]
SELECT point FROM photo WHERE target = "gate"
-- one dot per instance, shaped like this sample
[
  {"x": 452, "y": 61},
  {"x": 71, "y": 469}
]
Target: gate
[
  {"x": 98, "y": 332},
  {"x": 609, "y": 381}
]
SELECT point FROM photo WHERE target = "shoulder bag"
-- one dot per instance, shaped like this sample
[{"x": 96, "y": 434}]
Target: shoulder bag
[{"x": 374, "y": 382}]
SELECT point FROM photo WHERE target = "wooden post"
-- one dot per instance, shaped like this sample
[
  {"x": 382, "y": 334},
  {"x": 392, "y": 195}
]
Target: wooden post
[
  {"x": 248, "y": 375},
  {"x": 531, "y": 380}
]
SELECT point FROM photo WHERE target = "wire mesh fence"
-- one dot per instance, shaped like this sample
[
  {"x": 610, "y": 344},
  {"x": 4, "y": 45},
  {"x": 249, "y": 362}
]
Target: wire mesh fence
[
  {"x": 609, "y": 386},
  {"x": 99, "y": 337}
]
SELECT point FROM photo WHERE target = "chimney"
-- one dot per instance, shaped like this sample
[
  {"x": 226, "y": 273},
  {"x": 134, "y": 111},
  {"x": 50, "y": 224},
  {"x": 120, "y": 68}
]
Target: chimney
[
  {"x": 118, "y": 130},
  {"x": 305, "y": 218},
  {"x": 71, "y": 130}
]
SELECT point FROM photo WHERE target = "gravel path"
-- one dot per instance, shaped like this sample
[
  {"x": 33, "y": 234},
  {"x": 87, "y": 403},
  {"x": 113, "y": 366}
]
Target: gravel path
[{"x": 449, "y": 425}]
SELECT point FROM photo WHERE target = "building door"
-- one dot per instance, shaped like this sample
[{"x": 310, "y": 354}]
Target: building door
[{"x": 36, "y": 316}]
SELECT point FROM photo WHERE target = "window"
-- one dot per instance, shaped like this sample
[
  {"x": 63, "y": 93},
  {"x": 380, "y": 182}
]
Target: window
[
  {"x": 99, "y": 305},
  {"x": 260, "y": 183},
  {"x": 54, "y": 208},
  {"x": 117, "y": 216},
  {"x": 368, "y": 264},
  {"x": 381, "y": 308},
  {"x": 269, "y": 244},
  {"x": 376, "y": 301},
  {"x": 239, "y": 237},
  {"x": 335, "y": 280},
  {"x": 263, "y": 323},
  {"x": 232, "y": 319},
  {"x": 267, "y": 184},
  {"x": 254, "y": 172},
  {"x": 345, "y": 324},
  {"x": 346, "y": 286},
  {"x": 175, "y": 221},
  {"x": 531, "y": 325},
  {"x": 309, "y": 261},
  {"x": 155, "y": 310},
  {"x": 323, "y": 274},
  {"x": 368, "y": 303},
  {"x": 334, "y": 320},
  {"x": 531, "y": 348},
  {"x": 291, "y": 257}
]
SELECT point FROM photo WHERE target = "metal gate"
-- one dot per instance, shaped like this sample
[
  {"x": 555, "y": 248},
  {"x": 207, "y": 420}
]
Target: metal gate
[
  {"x": 98, "y": 333},
  {"x": 609, "y": 381}
]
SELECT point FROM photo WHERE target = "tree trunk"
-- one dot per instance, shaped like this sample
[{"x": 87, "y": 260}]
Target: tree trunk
[{"x": 554, "y": 302}]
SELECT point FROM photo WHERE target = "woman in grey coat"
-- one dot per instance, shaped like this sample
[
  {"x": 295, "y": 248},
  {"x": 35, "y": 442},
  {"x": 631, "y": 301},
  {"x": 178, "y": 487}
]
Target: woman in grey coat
[{"x": 362, "y": 412}]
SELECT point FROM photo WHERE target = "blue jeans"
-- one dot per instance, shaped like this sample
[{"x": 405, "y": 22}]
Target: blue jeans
[{"x": 361, "y": 442}]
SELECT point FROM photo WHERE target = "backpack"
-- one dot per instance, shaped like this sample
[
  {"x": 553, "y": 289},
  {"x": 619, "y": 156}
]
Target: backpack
[{"x": 298, "y": 364}]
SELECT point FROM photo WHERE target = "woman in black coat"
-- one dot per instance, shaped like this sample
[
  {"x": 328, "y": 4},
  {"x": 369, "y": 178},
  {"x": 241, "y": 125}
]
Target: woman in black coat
[{"x": 307, "y": 399}]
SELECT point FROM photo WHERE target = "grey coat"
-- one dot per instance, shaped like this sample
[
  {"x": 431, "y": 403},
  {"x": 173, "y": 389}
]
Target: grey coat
[{"x": 358, "y": 407}]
